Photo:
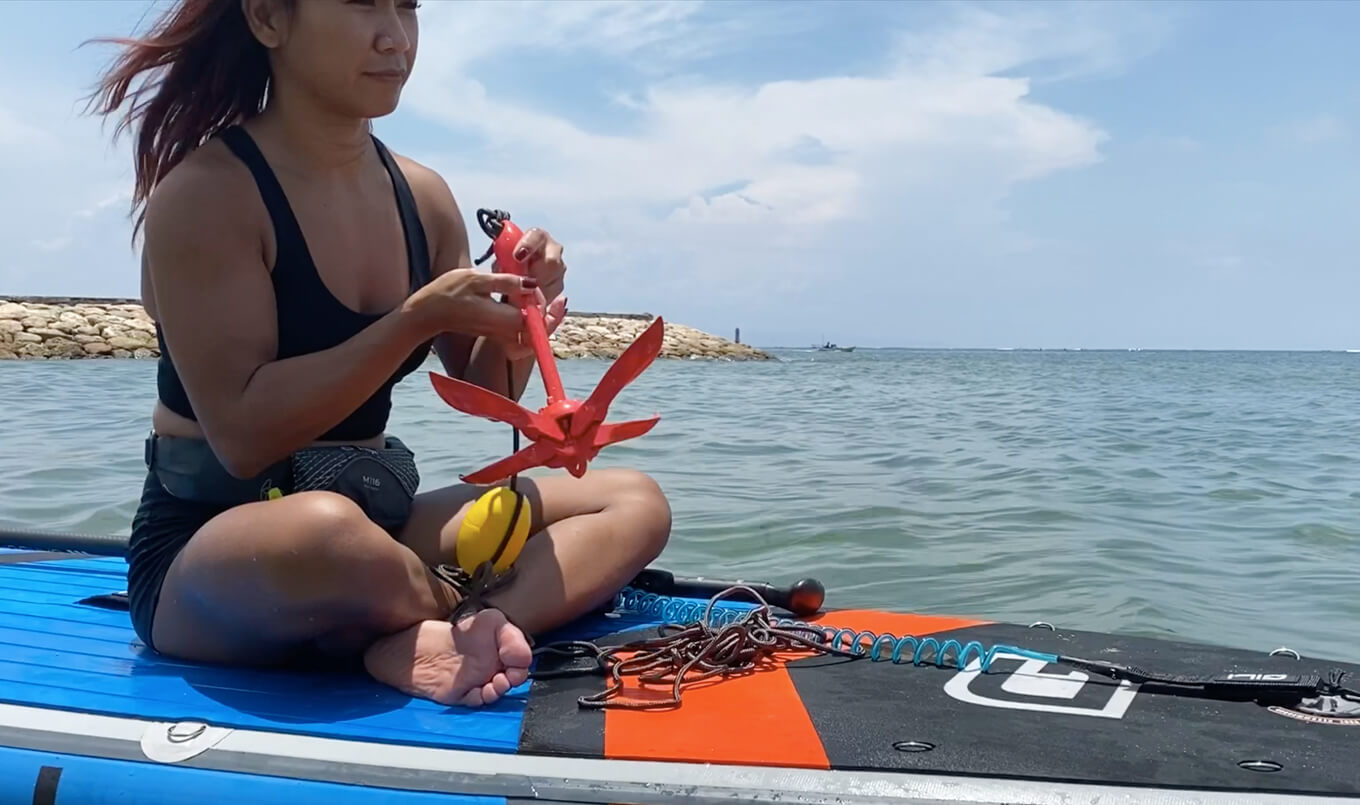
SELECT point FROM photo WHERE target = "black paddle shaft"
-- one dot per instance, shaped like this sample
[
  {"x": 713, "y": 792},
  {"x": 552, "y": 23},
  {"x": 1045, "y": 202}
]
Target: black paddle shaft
[
  {"x": 93, "y": 544},
  {"x": 804, "y": 597}
]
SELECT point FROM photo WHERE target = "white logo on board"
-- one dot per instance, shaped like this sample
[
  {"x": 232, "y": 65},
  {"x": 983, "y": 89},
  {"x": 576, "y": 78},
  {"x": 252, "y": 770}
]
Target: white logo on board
[{"x": 1030, "y": 681}]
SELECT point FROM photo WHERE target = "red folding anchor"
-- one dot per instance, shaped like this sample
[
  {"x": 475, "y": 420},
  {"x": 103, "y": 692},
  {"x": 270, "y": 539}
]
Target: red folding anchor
[{"x": 565, "y": 433}]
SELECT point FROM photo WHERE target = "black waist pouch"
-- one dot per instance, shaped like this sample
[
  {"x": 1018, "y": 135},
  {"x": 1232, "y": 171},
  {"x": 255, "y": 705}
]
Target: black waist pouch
[{"x": 381, "y": 481}]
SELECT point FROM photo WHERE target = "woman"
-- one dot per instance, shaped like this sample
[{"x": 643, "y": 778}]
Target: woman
[{"x": 290, "y": 292}]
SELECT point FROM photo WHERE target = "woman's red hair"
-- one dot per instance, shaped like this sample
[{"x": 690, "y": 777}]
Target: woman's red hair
[{"x": 209, "y": 72}]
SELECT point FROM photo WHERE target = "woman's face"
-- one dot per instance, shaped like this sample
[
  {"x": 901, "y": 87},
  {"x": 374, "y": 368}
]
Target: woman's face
[{"x": 352, "y": 56}]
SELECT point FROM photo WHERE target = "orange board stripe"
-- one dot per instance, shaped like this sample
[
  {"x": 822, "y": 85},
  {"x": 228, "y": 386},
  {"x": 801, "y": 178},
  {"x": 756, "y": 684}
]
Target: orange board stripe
[
  {"x": 757, "y": 718},
  {"x": 898, "y": 624}
]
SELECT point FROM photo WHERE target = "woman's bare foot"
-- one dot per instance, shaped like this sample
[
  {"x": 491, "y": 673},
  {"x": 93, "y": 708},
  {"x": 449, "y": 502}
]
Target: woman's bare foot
[{"x": 470, "y": 663}]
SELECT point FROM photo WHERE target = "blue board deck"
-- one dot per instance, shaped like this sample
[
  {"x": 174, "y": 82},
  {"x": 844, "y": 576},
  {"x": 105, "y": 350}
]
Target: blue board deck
[
  {"x": 88, "y": 714},
  {"x": 55, "y": 652}
]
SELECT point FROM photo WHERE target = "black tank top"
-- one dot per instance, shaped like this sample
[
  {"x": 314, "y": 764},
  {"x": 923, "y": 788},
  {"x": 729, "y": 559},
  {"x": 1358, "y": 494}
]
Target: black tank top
[{"x": 310, "y": 318}]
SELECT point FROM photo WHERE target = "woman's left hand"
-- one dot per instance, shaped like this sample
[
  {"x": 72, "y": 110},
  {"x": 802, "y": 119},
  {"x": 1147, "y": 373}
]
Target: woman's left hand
[{"x": 541, "y": 257}]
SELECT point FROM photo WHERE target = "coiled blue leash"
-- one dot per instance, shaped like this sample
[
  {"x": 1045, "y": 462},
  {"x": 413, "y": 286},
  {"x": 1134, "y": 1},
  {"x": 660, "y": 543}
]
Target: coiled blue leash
[{"x": 669, "y": 609}]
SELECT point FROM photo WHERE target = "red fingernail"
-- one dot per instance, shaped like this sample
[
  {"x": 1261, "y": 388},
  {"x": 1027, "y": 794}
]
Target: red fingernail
[
  {"x": 529, "y": 282},
  {"x": 521, "y": 253}
]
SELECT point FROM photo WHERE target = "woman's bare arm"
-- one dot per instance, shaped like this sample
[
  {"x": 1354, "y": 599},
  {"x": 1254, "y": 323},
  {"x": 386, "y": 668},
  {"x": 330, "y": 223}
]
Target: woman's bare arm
[
  {"x": 215, "y": 303},
  {"x": 475, "y": 359}
]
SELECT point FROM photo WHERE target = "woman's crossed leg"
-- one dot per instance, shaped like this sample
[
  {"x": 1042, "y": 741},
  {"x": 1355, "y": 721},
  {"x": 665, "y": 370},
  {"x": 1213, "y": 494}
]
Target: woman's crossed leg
[{"x": 265, "y": 582}]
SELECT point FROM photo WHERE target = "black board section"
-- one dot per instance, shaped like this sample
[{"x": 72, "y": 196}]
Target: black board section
[
  {"x": 554, "y": 722},
  {"x": 1029, "y": 719}
]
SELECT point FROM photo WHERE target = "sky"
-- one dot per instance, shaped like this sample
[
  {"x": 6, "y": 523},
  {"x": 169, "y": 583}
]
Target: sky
[{"x": 1102, "y": 175}]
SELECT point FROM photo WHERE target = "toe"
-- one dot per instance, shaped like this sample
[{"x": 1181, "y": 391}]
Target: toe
[
  {"x": 514, "y": 648},
  {"x": 473, "y": 698},
  {"x": 489, "y": 694}
]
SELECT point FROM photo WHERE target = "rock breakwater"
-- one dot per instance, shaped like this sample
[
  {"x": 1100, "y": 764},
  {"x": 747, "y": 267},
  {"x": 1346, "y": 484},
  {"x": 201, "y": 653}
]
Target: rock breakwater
[{"x": 37, "y": 328}]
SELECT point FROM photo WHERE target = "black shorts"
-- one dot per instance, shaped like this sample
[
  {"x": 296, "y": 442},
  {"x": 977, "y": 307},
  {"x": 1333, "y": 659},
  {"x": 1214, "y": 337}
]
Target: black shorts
[
  {"x": 161, "y": 528},
  {"x": 382, "y": 482}
]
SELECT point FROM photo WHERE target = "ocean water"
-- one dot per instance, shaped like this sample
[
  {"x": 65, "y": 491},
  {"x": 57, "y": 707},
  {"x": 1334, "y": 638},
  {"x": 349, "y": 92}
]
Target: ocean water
[{"x": 1203, "y": 496}]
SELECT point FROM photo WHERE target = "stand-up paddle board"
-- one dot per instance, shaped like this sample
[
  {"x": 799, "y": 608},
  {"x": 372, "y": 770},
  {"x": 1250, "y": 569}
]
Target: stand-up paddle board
[{"x": 965, "y": 711}]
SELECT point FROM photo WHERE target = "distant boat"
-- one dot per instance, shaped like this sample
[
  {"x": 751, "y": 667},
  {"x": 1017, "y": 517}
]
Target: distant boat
[{"x": 830, "y": 347}]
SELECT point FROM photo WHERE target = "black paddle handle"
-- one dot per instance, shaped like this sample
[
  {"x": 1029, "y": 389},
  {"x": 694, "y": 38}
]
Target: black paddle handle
[{"x": 804, "y": 597}]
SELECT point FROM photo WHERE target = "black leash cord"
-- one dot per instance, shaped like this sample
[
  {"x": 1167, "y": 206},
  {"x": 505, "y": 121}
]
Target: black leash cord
[{"x": 492, "y": 223}]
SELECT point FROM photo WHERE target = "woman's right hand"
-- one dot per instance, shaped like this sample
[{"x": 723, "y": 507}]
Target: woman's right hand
[{"x": 459, "y": 301}]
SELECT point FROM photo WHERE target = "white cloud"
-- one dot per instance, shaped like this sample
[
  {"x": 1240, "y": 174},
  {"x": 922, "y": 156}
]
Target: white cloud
[
  {"x": 659, "y": 34},
  {"x": 1051, "y": 43},
  {"x": 1177, "y": 143},
  {"x": 1221, "y": 262},
  {"x": 15, "y": 133},
  {"x": 77, "y": 223},
  {"x": 934, "y": 134},
  {"x": 671, "y": 167},
  {"x": 1316, "y": 130},
  {"x": 68, "y": 189},
  {"x": 53, "y": 244}
]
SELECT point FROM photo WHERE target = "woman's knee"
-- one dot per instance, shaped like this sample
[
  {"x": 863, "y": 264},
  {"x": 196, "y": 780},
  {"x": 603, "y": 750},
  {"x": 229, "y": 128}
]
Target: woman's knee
[
  {"x": 329, "y": 553},
  {"x": 648, "y": 509},
  {"x": 319, "y": 530},
  {"x": 340, "y": 532},
  {"x": 640, "y": 488}
]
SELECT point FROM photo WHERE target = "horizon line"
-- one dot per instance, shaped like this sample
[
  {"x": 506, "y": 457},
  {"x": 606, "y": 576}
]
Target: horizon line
[{"x": 1351, "y": 350}]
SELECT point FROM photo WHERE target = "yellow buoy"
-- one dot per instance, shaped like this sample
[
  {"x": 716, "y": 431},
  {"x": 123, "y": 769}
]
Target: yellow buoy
[{"x": 486, "y": 530}]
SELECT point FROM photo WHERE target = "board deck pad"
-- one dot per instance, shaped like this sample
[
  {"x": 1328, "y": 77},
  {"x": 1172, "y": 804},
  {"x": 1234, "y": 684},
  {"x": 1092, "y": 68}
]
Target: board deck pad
[{"x": 1024, "y": 719}]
